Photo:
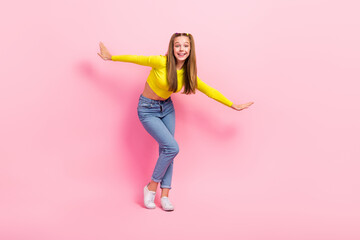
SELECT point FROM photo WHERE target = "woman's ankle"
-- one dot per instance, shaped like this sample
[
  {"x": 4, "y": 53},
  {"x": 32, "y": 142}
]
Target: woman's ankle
[
  {"x": 165, "y": 192},
  {"x": 152, "y": 187}
]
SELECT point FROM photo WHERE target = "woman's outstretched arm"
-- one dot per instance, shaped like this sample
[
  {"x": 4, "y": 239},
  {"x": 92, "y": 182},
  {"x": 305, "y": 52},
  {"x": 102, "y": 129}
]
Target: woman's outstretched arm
[
  {"x": 215, "y": 94},
  {"x": 156, "y": 61}
]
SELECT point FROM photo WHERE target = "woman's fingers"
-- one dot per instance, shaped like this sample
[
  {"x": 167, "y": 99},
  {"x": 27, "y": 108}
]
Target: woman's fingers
[
  {"x": 104, "y": 53},
  {"x": 249, "y": 104},
  {"x": 240, "y": 107},
  {"x": 102, "y": 47},
  {"x": 101, "y": 56}
]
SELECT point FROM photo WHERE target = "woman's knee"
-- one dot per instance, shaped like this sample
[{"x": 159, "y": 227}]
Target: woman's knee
[
  {"x": 176, "y": 148},
  {"x": 172, "y": 148}
]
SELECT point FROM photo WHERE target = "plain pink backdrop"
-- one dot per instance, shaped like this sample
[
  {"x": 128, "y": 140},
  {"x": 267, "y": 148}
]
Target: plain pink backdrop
[{"x": 75, "y": 158}]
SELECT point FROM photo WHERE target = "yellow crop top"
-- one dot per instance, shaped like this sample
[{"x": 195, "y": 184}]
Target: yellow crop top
[{"x": 157, "y": 77}]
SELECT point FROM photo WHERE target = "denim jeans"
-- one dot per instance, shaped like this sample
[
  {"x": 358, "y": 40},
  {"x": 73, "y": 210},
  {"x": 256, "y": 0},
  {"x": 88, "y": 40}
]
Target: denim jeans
[{"x": 158, "y": 119}]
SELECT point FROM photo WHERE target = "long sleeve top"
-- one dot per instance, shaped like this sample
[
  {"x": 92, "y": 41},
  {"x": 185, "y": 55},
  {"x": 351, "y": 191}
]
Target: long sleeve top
[{"x": 157, "y": 79}]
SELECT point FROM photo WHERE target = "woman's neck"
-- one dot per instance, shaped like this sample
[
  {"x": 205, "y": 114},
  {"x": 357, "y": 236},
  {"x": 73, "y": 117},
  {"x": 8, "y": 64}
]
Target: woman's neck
[{"x": 179, "y": 65}]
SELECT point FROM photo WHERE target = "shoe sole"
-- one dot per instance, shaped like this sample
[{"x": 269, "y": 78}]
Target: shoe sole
[{"x": 168, "y": 210}]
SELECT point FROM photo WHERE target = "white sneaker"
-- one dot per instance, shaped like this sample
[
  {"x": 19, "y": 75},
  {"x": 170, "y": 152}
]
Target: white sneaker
[
  {"x": 149, "y": 197},
  {"x": 166, "y": 204}
]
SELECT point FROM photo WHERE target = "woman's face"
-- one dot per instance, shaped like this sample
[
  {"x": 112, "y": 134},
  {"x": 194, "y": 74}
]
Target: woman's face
[{"x": 181, "y": 48}]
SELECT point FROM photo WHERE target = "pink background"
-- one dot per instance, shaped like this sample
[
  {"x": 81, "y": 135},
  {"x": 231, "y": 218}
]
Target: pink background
[{"x": 75, "y": 158}]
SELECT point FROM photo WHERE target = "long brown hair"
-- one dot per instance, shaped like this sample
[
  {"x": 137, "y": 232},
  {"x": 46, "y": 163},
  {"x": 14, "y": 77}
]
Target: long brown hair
[{"x": 190, "y": 70}]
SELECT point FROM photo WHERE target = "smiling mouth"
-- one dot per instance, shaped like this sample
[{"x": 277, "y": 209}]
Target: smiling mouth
[{"x": 181, "y": 54}]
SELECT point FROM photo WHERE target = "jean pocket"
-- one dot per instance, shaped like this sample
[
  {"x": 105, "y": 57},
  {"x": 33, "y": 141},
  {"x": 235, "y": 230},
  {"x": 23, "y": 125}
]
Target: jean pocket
[{"x": 145, "y": 105}]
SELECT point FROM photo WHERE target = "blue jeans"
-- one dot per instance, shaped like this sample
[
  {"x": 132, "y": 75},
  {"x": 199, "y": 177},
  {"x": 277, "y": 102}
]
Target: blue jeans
[{"x": 158, "y": 119}]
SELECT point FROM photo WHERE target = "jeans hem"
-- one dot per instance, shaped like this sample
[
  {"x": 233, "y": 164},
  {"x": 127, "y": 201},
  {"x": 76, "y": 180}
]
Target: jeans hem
[{"x": 155, "y": 180}]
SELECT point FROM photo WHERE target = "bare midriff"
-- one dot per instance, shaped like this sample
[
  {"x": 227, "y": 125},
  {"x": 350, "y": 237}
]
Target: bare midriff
[{"x": 149, "y": 93}]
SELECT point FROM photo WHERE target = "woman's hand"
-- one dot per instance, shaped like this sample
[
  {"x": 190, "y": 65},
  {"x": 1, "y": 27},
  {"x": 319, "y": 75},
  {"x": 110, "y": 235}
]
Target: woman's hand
[
  {"x": 240, "y": 107},
  {"x": 104, "y": 53}
]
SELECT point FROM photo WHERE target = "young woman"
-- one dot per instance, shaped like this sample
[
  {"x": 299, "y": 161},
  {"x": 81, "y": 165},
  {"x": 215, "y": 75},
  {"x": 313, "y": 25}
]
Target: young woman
[{"x": 169, "y": 74}]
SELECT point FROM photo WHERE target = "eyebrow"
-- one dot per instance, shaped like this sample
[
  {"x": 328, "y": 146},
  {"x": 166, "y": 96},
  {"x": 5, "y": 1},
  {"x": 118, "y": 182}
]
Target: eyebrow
[{"x": 178, "y": 42}]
